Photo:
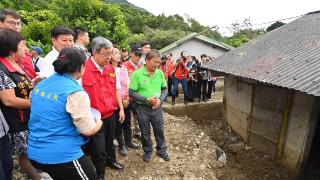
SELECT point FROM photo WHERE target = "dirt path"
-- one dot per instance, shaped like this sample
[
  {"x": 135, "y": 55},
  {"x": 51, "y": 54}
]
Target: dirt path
[
  {"x": 192, "y": 155},
  {"x": 192, "y": 144}
]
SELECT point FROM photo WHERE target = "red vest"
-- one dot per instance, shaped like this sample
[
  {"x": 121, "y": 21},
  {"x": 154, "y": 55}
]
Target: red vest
[
  {"x": 101, "y": 88},
  {"x": 170, "y": 68},
  {"x": 181, "y": 72},
  {"x": 130, "y": 67}
]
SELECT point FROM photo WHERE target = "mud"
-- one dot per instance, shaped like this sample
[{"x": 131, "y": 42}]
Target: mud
[{"x": 193, "y": 134}]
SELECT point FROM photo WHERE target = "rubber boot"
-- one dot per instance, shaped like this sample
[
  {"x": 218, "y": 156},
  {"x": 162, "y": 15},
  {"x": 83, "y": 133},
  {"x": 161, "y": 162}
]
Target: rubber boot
[
  {"x": 173, "y": 102},
  {"x": 122, "y": 148},
  {"x": 128, "y": 140},
  {"x": 185, "y": 100}
]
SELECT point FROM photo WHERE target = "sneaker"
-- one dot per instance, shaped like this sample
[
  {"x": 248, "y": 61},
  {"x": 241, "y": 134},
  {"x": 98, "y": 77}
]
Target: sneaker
[
  {"x": 147, "y": 157},
  {"x": 165, "y": 156}
]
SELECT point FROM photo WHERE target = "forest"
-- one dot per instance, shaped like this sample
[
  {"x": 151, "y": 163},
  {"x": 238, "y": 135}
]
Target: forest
[{"x": 120, "y": 21}]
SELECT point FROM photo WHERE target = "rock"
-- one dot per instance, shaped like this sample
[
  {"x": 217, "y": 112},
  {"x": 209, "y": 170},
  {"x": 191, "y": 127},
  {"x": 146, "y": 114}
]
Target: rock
[
  {"x": 202, "y": 134},
  {"x": 45, "y": 176},
  {"x": 236, "y": 147},
  {"x": 221, "y": 155},
  {"x": 231, "y": 138}
]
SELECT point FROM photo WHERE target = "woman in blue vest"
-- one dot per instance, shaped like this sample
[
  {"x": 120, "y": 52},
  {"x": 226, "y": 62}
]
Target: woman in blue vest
[{"x": 61, "y": 119}]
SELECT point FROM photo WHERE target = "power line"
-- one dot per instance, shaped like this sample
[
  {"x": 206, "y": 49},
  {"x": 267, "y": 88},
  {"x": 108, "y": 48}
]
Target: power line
[{"x": 259, "y": 24}]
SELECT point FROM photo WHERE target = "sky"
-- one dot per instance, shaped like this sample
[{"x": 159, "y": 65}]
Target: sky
[{"x": 225, "y": 12}]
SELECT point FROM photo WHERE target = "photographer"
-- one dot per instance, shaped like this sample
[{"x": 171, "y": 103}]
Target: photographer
[
  {"x": 180, "y": 75},
  {"x": 192, "y": 79},
  {"x": 203, "y": 80}
]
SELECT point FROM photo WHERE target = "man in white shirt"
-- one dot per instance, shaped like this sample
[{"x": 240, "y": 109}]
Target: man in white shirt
[
  {"x": 81, "y": 38},
  {"x": 61, "y": 37},
  {"x": 145, "y": 49}
]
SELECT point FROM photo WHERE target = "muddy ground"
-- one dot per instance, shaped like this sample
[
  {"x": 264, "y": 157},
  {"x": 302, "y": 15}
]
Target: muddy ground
[
  {"x": 193, "y": 134},
  {"x": 243, "y": 164}
]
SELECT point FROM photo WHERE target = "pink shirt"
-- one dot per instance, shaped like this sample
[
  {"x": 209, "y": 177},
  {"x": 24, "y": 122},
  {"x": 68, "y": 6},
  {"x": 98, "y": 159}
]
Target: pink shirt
[{"x": 123, "y": 76}]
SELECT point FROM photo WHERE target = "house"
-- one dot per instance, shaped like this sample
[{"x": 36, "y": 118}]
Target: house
[
  {"x": 196, "y": 44},
  {"x": 272, "y": 90}
]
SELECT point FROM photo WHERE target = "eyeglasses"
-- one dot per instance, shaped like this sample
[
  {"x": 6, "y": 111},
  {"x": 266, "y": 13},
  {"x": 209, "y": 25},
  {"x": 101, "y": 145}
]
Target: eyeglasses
[
  {"x": 108, "y": 54},
  {"x": 14, "y": 23}
]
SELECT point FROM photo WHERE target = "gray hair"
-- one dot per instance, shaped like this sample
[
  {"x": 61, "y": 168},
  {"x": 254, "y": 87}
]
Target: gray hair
[{"x": 100, "y": 42}]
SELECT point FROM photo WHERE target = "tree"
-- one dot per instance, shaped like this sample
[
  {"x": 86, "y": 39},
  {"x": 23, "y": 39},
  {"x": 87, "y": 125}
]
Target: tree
[
  {"x": 38, "y": 25},
  {"x": 275, "y": 25},
  {"x": 243, "y": 33},
  {"x": 99, "y": 18},
  {"x": 195, "y": 26},
  {"x": 28, "y": 5},
  {"x": 156, "y": 37}
]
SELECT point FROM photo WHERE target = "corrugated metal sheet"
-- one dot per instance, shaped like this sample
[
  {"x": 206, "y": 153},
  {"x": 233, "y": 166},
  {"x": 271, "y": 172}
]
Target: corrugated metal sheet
[{"x": 287, "y": 57}]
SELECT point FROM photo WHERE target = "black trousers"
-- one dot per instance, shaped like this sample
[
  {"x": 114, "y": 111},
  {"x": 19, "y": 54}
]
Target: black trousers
[
  {"x": 125, "y": 126},
  {"x": 101, "y": 145},
  {"x": 170, "y": 84},
  {"x": 6, "y": 162},
  {"x": 81, "y": 168},
  {"x": 202, "y": 89},
  {"x": 211, "y": 88}
]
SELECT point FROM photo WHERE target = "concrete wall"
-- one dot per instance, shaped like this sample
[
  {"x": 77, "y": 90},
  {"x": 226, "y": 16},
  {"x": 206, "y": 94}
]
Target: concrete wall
[
  {"x": 301, "y": 126},
  {"x": 267, "y": 114},
  {"x": 196, "y": 47},
  {"x": 256, "y": 111},
  {"x": 237, "y": 97}
]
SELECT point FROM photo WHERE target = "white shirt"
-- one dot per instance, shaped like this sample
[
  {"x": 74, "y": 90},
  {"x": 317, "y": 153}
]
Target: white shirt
[
  {"x": 117, "y": 70},
  {"x": 45, "y": 66},
  {"x": 84, "y": 49},
  {"x": 143, "y": 59}
]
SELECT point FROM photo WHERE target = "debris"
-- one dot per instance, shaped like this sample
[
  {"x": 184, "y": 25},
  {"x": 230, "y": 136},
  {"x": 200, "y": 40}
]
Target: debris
[
  {"x": 221, "y": 155},
  {"x": 236, "y": 147},
  {"x": 231, "y": 138}
]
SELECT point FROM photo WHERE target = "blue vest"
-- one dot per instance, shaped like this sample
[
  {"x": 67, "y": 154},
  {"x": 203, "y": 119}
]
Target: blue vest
[{"x": 53, "y": 137}]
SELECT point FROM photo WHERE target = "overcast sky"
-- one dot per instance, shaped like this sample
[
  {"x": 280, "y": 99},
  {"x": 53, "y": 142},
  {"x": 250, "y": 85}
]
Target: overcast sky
[{"x": 225, "y": 12}]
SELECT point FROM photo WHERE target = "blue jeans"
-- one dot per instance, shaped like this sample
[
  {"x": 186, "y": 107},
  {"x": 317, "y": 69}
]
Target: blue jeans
[
  {"x": 6, "y": 162},
  {"x": 183, "y": 83}
]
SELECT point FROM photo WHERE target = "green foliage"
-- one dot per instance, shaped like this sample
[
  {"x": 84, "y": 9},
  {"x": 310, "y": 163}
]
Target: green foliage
[
  {"x": 118, "y": 20},
  {"x": 161, "y": 38},
  {"x": 275, "y": 26},
  {"x": 156, "y": 37},
  {"x": 38, "y": 24},
  {"x": 137, "y": 19},
  {"x": 45, "y": 47},
  {"x": 243, "y": 33},
  {"x": 99, "y": 18},
  {"x": 237, "y": 41},
  {"x": 28, "y": 5}
]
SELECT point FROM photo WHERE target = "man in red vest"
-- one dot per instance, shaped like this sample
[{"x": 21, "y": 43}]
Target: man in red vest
[{"x": 99, "y": 81}]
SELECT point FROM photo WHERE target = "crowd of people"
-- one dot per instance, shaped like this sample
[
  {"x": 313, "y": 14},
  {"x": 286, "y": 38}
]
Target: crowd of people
[
  {"x": 47, "y": 103},
  {"x": 197, "y": 82}
]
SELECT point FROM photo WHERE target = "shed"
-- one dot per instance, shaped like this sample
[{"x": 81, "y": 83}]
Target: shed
[
  {"x": 197, "y": 44},
  {"x": 272, "y": 89}
]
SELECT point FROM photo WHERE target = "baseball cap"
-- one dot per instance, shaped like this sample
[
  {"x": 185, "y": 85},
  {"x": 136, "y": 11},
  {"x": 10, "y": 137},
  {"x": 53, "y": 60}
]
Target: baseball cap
[
  {"x": 137, "y": 50},
  {"x": 38, "y": 49}
]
